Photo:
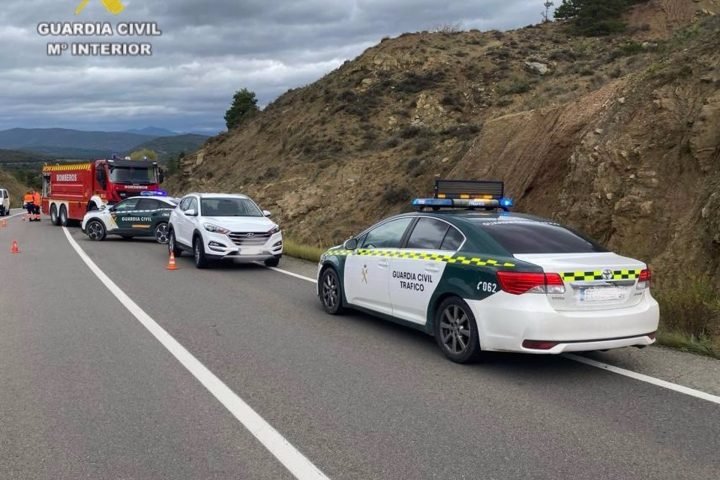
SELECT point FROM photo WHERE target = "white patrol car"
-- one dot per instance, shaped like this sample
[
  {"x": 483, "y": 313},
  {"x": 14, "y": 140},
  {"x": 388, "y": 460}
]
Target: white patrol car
[
  {"x": 481, "y": 279},
  {"x": 144, "y": 216},
  {"x": 219, "y": 226}
]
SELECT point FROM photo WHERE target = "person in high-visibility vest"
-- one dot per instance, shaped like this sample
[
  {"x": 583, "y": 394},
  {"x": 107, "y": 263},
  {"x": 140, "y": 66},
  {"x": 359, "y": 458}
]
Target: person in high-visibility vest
[
  {"x": 28, "y": 205},
  {"x": 31, "y": 202},
  {"x": 37, "y": 201}
]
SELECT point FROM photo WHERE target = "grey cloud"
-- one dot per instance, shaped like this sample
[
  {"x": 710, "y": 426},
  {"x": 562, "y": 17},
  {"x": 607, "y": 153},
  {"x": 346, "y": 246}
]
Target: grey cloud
[{"x": 208, "y": 50}]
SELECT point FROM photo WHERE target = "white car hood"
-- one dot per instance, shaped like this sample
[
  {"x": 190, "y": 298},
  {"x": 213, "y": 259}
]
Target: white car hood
[{"x": 242, "y": 224}]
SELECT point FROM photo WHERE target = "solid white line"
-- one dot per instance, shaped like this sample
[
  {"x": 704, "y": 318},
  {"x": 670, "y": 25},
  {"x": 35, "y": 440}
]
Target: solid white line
[
  {"x": 13, "y": 216},
  {"x": 645, "y": 378},
  {"x": 301, "y": 277},
  {"x": 288, "y": 455}
]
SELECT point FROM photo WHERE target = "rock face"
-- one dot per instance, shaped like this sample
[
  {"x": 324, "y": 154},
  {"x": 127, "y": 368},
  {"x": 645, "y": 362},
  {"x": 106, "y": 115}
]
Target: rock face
[
  {"x": 537, "y": 67},
  {"x": 624, "y": 146}
]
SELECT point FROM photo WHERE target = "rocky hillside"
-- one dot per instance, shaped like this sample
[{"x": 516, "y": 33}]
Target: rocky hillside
[
  {"x": 618, "y": 136},
  {"x": 16, "y": 189}
]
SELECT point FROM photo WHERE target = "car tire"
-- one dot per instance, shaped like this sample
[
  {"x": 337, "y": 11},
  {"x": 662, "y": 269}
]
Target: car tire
[
  {"x": 172, "y": 245},
  {"x": 456, "y": 331},
  {"x": 201, "y": 260},
  {"x": 331, "y": 292},
  {"x": 273, "y": 262},
  {"x": 63, "y": 216},
  {"x": 95, "y": 230},
  {"x": 161, "y": 233},
  {"x": 54, "y": 219}
]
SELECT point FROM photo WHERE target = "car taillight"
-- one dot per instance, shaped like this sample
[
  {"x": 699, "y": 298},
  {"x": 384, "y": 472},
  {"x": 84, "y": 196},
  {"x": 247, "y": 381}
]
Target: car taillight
[
  {"x": 518, "y": 283},
  {"x": 644, "y": 279}
]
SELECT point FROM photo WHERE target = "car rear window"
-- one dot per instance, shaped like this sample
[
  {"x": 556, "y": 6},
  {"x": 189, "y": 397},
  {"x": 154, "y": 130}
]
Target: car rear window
[{"x": 538, "y": 237}]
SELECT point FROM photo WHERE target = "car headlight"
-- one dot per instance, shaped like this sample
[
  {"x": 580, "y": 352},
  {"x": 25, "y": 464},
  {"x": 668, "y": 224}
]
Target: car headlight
[
  {"x": 276, "y": 229},
  {"x": 215, "y": 229}
]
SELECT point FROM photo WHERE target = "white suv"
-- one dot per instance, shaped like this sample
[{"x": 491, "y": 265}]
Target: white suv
[
  {"x": 4, "y": 202},
  {"x": 216, "y": 226}
]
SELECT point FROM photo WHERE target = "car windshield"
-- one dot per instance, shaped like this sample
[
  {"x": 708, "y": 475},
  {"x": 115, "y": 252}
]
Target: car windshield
[
  {"x": 229, "y": 207},
  {"x": 519, "y": 237},
  {"x": 140, "y": 175}
]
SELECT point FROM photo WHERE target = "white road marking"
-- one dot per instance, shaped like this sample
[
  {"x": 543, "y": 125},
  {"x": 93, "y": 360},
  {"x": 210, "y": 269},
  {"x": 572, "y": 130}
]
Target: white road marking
[
  {"x": 593, "y": 363},
  {"x": 301, "y": 277},
  {"x": 288, "y": 455},
  {"x": 645, "y": 378},
  {"x": 13, "y": 216}
]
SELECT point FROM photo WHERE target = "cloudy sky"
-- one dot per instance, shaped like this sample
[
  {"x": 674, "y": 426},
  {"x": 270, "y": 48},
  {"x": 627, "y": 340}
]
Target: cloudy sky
[{"x": 208, "y": 50}]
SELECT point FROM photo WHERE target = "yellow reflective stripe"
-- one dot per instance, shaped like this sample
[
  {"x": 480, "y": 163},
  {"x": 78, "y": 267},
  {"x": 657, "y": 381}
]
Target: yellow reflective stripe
[
  {"x": 597, "y": 275},
  {"x": 65, "y": 168},
  {"x": 475, "y": 261}
]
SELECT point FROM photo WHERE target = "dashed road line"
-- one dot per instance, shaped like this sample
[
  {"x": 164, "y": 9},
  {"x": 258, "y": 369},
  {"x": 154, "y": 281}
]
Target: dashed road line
[{"x": 594, "y": 363}]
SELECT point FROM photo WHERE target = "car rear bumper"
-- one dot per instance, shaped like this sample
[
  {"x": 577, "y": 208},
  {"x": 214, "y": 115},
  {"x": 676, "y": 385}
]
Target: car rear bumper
[{"x": 506, "y": 321}]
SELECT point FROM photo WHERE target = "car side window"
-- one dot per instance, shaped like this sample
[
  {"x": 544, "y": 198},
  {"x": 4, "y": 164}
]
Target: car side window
[
  {"x": 428, "y": 234},
  {"x": 193, "y": 204},
  {"x": 185, "y": 204},
  {"x": 148, "y": 204},
  {"x": 130, "y": 204},
  {"x": 453, "y": 240},
  {"x": 387, "y": 235}
]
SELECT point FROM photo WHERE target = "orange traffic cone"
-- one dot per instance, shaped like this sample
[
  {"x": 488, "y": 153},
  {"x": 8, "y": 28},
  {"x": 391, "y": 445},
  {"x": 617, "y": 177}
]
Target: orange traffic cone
[
  {"x": 171, "y": 263},
  {"x": 15, "y": 248}
]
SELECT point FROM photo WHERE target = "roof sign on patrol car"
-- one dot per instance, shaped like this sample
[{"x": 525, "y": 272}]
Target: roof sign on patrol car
[
  {"x": 466, "y": 194},
  {"x": 155, "y": 193}
]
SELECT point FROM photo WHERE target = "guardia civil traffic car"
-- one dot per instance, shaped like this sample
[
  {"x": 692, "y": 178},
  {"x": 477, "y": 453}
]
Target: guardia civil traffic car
[
  {"x": 479, "y": 278},
  {"x": 144, "y": 216}
]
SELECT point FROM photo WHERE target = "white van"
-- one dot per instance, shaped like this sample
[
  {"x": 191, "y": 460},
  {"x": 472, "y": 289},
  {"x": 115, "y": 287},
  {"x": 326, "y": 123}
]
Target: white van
[{"x": 4, "y": 202}]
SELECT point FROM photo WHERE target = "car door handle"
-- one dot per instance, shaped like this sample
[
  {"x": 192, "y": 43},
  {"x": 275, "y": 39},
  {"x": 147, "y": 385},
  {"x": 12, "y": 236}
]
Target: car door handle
[
  {"x": 432, "y": 269},
  {"x": 383, "y": 264}
]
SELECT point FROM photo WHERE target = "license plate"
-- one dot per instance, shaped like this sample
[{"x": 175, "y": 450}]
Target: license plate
[{"x": 602, "y": 295}]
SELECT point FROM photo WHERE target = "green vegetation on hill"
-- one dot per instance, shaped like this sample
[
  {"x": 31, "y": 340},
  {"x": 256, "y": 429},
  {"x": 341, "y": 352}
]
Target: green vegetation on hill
[
  {"x": 594, "y": 17},
  {"x": 168, "y": 148}
]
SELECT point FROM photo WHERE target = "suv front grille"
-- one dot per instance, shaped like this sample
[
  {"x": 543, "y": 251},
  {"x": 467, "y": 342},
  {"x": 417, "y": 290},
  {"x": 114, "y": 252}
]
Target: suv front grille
[{"x": 249, "y": 239}]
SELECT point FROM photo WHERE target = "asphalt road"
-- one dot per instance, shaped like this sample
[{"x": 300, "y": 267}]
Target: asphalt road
[{"x": 87, "y": 392}]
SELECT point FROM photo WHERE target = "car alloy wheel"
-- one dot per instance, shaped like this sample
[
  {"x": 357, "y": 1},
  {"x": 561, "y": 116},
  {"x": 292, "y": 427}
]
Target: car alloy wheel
[
  {"x": 330, "y": 292},
  {"x": 455, "y": 329},
  {"x": 95, "y": 231},
  {"x": 161, "y": 233}
]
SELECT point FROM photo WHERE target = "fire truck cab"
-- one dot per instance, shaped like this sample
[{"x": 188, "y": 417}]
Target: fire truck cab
[{"x": 71, "y": 190}]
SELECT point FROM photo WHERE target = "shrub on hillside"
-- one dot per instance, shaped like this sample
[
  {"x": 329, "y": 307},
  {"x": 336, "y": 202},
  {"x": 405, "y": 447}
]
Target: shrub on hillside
[{"x": 594, "y": 17}]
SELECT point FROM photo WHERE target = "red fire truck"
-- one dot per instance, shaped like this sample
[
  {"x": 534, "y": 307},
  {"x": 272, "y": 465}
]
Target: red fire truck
[{"x": 71, "y": 190}]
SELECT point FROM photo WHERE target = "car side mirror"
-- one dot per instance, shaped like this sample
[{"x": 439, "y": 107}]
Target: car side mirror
[
  {"x": 350, "y": 244},
  {"x": 267, "y": 213},
  {"x": 112, "y": 209},
  {"x": 191, "y": 212}
]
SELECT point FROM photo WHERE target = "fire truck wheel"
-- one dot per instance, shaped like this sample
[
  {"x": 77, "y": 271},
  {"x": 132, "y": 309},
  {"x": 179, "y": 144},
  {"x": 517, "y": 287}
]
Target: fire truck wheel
[
  {"x": 54, "y": 219},
  {"x": 96, "y": 230},
  {"x": 63, "y": 216}
]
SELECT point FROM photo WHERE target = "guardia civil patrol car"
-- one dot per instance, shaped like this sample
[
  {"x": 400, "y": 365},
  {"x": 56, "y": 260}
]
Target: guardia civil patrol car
[
  {"x": 143, "y": 216},
  {"x": 479, "y": 278}
]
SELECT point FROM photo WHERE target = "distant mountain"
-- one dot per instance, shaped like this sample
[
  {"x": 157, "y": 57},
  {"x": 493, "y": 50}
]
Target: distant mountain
[
  {"x": 153, "y": 132},
  {"x": 171, "y": 147},
  {"x": 13, "y": 158},
  {"x": 55, "y": 141}
]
